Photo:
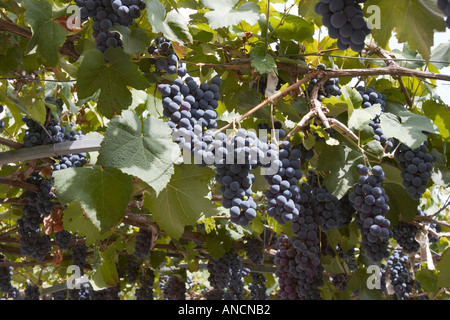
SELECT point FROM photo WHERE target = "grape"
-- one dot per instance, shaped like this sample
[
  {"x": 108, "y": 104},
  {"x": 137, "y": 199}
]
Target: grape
[
  {"x": 79, "y": 252},
  {"x": 147, "y": 281},
  {"x": 63, "y": 239},
  {"x": 142, "y": 244},
  {"x": 42, "y": 200},
  {"x": 416, "y": 166},
  {"x": 284, "y": 194},
  {"x": 84, "y": 293},
  {"x": 110, "y": 293},
  {"x": 345, "y": 22},
  {"x": 399, "y": 274},
  {"x": 32, "y": 292},
  {"x": 166, "y": 59},
  {"x": 176, "y": 288},
  {"x": 59, "y": 295},
  {"x": 258, "y": 286},
  {"x": 5, "y": 279},
  {"x": 254, "y": 250},
  {"x": 132, "y": 269},
  {"x": 370, "y": 216}
]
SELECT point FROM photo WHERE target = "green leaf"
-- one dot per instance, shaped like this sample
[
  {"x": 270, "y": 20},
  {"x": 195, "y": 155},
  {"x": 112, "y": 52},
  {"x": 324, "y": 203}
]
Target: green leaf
[
  {"x": 76, "y": 221},
  {"x": 112, "y": 78},
  {"x": 173, "y": 25},
  {"x": 262, "y": 61},
  {"x": 143, "y": 149},
  {"x": 400, "y": 203},
  {"x": 414, "y": 22},
  {"x": 440, "y": 115},
  {"x": 183, "y": 201},
  {"x": 341, "y": 162},
  {"x": 406, "y": 126},
  {"x": 48, "y": 35},
  {"x": 134, "y": 41},
  {"x": 224, "y": 13},
  {"x": 218, "y": 242},
  {"x": 441, "y": 53},
  {"x": 444, "y": 269},
  {"x": 102, "y": 193},
  {"x": 295, "y": 28},
  {"x": 360, "y": 118},
  {"x": 104, "y": 273},
  {"x": 351, "y": 97}
]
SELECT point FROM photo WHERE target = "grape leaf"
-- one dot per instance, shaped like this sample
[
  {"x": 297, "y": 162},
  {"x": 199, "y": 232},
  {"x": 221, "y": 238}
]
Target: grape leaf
[
  {"x": 104, "y": 273},
  {"x": 173, "y": 25},
  {"x": 341, "y": 162},
  {"x": 295, "y": 28},
  {"x": 415, "y": 22},
  {"x": 440, "y": 116},
  {"x": 444, "y": 266},
  {"x": 360, "y": 118},
  {"x": 47, "y": 34},
  {"x": 224, "y": 14},
  {"x": 262, "y": 61},
  {"x": 134, "y": 41},
  {"x": 112, "y": 78},
  {"x": 183, "y": 201},
  {"x": 441, "y": 53},
  {"x": 76, "y": 221},
  {"x": 406, "y": 126},
  {"x": 140, "y": 148},
  {"x": 103, "y": 193}
]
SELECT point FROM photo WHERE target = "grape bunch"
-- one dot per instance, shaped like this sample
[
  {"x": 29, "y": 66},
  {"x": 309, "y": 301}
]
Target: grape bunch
[
  {"x": 63, "y": 239},
  {"x": 53, "y": 132},
  {"x": 345, "y": 22},
  {"x": 400, "y": 275},
  {"x": 79, "y": 253},
  {"x": 219, "y": 277},
  {"x": 284, "y": 193},
  {"x": 5, "y": 279},
  {"x": 187, "y": 104},
  {"x": 371, "y": 97},
  {"x": 32, "y": 243},
  {"x": 258, "y": 287},
  {"x": 108, "y": 13},
  {"x": 110, "y": 293},
  {"x": 142, "y": 244},
  {"x": 2, "y": 123},
  {"x": 32, "y": 292},
  {"x": 416, "y": 166},
  {"x": 254, "y": 250},
  {"x": 84, "y": 293},
  {"x": 234, "y": 159},
  {"x": 60, "y": 295},
  {"x": 371, "y": 202},
  {"x": 132, "y": 269},
  {"x": 444, "y": 6},
  {"x": 147, "y": 281},
  {"x": 236, "y": 286},
  {"x": 404, "y": 233},
  {"x": 165, "y": 57},
  {"x": 43, "y": 199},
  {"x": 328, "y": 89},
  {"x": 286, "y": 272}
]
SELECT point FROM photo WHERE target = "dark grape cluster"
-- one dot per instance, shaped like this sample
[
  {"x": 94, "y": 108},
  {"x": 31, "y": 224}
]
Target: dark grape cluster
[
  {"x": 371, "y": 202},
  {"x": 188, "y": 104},
  {"x": 146, "y": 281},
  {"x": 236, "y": 286},
  {"x": 53, "y": 132},
  {"x": 345, "y": 22},
  {"x": 328, "y": 89},
  {"x": 284, "y": 193},
  {"x": 176, "y": 288},
  {"x": 32, "y": 243},
  {"x": 32, "y": 292},
  {"x": 110, "y": 293},
  {"x": 165, "y": 57},
  {"x": 444, "y": 6},
  {"x": 258, "y": 287},
  {"x": 79, "y": 253},
  {"x": 132, "y": 269},
  {"x": 399, "y": 273},
  {"x": 63, "y": 239},
  {"x": 371, "y": 97},
  {"x": 60, "y": 295},
  {"x": 5, "y": 280},
  {"x": 43, "y": 199},
  {"x": 142, "y": 244},
  {"x": 287, "y": 269},
  {"x": 254, "y": 249},
  {"x": 416, "y": 166},
  {"x": 108, "y": 13},
  {"x": 404, "y": 233}
]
